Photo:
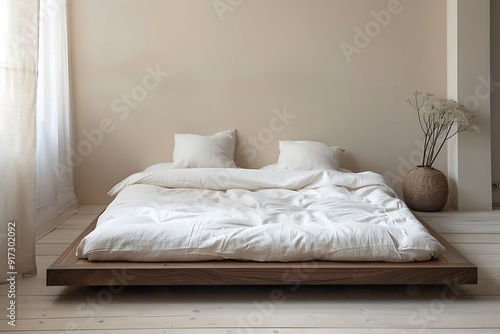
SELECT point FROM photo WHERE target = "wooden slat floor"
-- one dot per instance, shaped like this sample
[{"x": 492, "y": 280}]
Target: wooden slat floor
[{"x": 273, "y": 310}]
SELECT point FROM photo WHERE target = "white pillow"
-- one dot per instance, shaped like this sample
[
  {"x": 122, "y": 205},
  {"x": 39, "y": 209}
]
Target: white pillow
[
  {"x": 308, "y": 155},
  {"x": 194, "y": 151}
]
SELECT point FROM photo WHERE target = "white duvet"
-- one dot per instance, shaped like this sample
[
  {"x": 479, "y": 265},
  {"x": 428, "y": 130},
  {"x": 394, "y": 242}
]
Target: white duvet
[{"x": 259, "y": 215}]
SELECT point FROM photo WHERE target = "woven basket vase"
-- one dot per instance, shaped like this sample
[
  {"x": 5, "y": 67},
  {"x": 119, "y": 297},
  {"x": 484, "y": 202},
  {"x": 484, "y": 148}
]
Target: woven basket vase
[{"x": 425, "y": 189}]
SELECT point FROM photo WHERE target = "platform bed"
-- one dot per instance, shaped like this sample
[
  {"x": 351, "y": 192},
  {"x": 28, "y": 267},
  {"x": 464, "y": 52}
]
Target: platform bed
[{"x": 450, "y": 267}]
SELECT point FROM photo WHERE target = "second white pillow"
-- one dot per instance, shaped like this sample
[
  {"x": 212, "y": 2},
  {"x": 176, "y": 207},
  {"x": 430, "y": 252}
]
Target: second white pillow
[{"x": 308, "y": 155}]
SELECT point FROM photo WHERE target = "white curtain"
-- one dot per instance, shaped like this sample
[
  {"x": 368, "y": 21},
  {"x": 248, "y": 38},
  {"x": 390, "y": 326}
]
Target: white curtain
[
  {"x": 36, "y": 182},
  {"x": 18, "y": 80},
  {"x": 55, "y": 196}
]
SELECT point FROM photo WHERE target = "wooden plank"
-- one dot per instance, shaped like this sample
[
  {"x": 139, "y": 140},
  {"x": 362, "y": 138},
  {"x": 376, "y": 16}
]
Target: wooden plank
[
  {"x": 91, "y": 209},
  {"x": 42, "y": 290},
  {"x": 484, "y": 287},
  {"x": 60, "y": 235},
  {"x": 51, "y": 249},
  {"x": 468, "y": 229},
  {"x": 364, "y": 314},
  {"x": 484, "y": 259},
  {"x": 281, "y": 330},
  {"x": 79, "y": 224},
  {"x": 490, "y": 272},
  {"x": 45, "y": 260},
  {"x": 262, "y": 275},
  {"x": 453, "y": 217},
  {"x": 478, "y": 249},
  {"x": 471, "y": 238}
]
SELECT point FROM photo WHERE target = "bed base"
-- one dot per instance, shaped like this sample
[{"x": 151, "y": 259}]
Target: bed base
[{"x": 450, "y": 268}]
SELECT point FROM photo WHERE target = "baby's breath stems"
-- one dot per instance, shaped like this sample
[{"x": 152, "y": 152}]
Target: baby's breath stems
[{"x": 437, "y": 117}]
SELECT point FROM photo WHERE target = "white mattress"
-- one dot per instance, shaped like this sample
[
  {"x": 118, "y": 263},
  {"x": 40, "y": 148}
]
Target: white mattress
[{"x": 259, "y": 215}]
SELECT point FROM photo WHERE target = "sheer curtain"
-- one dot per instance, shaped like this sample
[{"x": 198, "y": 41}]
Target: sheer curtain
[
  {"x": 36, "y": 182},
  {"x": 18, "y": 81},
  {"x": 55, "y": 195}
]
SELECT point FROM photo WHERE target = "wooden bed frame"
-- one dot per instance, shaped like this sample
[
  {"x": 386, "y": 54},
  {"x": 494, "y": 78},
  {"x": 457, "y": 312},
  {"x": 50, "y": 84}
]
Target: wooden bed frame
[{"x": 450, "y": 268}]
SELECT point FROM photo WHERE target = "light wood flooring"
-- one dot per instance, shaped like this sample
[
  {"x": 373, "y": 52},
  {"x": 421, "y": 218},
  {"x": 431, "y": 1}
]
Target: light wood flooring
[{"x": 273, "y": 310}]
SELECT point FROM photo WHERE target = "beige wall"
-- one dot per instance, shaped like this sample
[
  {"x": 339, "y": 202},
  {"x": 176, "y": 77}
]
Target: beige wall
[{"x": 238, "y": 64}]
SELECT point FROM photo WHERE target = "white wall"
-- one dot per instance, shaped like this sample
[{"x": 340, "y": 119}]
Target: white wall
[
  {"x": 469, "y": 154},
  {"x": 231, "y": 69},
  {"x": 495, "y": 96}
]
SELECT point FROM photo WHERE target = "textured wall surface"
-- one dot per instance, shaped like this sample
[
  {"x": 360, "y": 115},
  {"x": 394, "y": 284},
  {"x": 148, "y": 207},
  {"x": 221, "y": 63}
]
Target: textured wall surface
[{"x": 335, "y": 71}]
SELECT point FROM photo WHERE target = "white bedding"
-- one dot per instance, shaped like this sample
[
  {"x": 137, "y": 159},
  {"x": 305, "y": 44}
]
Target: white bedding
[{"x": 261, "y": 215}]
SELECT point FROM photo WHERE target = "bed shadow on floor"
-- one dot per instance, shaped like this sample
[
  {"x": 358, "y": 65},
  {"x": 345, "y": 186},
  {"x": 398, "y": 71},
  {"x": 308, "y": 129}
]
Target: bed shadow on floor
[{"x": 275, "y": 293}]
